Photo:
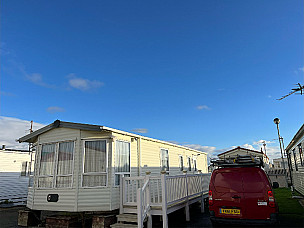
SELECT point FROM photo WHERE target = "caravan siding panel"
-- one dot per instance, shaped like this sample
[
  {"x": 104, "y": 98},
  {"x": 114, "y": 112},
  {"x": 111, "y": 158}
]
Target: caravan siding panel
[
  {"x": 298, "y": 178},
  {"x": 151, "y": 159},
  {"x": 94, "y": 199},
  {"x": 30, "y": 198},
  {"x": 66, "y": 200}
]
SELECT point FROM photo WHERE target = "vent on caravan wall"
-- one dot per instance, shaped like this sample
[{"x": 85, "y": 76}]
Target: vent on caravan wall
[{"x": 52, "y": 197}]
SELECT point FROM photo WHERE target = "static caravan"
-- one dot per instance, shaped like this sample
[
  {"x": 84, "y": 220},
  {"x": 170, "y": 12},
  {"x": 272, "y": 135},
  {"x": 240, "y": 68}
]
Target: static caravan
[
  {"x": 78, "y": 166},
  {"x": 243, "y": 151},
  {"x": 14, "y": 176},
  {"x": 295, "y": 159}
]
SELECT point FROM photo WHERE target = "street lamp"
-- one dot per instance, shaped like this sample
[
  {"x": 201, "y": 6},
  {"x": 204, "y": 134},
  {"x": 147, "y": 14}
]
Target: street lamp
[{"x": 277, "y": 121}]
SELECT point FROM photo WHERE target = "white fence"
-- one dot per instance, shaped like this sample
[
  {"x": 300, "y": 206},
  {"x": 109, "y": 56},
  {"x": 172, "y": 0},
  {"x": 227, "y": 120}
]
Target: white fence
[{"x": 163, "y": 193}]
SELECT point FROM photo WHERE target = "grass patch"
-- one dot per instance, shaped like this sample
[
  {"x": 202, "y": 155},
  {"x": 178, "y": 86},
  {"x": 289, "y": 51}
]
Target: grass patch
[{"x": 287, "y": 206}]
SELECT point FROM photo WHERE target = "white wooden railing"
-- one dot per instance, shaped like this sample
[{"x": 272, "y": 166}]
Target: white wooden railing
[
  {"x": 166, "y": 192},
  {"x": 143, "y": 204}
]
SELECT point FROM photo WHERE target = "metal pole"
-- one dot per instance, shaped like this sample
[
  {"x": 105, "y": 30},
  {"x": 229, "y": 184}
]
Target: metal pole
[
  {"x": 282, "y": 153},
  {"x": 288, "y": 163}
]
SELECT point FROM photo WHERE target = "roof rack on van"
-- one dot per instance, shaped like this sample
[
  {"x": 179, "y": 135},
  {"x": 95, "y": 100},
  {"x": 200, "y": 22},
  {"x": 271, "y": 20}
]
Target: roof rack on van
[{"x": 238, "y": 161}]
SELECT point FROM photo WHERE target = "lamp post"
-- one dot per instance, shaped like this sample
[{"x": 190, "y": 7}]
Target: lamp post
[{"x": 277, "y": 121}]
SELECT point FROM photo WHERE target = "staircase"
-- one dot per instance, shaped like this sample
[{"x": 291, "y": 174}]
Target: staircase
[{"x": 126, "y": 220}]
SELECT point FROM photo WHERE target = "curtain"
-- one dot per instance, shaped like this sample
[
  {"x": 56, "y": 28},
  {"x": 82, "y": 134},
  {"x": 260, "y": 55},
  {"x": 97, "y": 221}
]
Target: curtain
[
  {"x": 122, "y": 160},
  {"x": 95, "y": 162},
  {"x": 181, "y": 163},
  {"x": 189, "y": 164},
  {"x": 65, "y": 158},
  {"x": 95, "y": 156},
  {"x": 47, "y": 160},
  {"x": 164, "y": 160}
]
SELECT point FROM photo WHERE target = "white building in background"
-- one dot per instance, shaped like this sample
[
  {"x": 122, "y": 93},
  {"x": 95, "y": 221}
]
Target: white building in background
[
  {"x": 14, "y": 176},
  {"x": 278, "y": 164}
]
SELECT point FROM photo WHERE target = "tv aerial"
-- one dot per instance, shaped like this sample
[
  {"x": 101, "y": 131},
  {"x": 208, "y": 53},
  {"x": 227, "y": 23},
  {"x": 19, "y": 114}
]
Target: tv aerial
[{"x": 299, "y": 89}]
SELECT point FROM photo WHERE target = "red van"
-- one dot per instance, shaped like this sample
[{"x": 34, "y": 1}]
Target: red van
[{"x": 241, "y": 193}]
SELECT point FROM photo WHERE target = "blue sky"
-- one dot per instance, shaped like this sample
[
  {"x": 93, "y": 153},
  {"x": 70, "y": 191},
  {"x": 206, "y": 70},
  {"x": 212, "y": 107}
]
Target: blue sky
[{"x": 201, "y": 73}]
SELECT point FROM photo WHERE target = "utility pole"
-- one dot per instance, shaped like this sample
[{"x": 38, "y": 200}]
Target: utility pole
[{"x": 277, "y": 121}]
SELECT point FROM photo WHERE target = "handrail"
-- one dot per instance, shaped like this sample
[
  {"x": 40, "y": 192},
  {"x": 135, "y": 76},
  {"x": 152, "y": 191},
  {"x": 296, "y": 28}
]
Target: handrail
[{"x": 143, "y": 203}]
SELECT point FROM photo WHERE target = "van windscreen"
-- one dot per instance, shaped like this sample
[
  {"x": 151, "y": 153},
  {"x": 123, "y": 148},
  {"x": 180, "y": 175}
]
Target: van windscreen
[{"x": 228, "y": 181}]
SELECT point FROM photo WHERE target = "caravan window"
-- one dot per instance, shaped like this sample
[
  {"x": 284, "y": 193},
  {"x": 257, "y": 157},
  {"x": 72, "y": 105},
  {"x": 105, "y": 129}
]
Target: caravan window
[
  {"x": 301, "y": 154},
  {"x": 164, "y": 154},
  {"x": 122, "y": 160},
  {"x": 181, "y": 163},
  {"x": 95, "y": 164},
  {"x": 23, "y": 168},
  {"x": 54, "y": 155},
  {"x": 65, "y": 164},
  {"x": 189, "y": 164},
  {"x": 295, "y": 159}
]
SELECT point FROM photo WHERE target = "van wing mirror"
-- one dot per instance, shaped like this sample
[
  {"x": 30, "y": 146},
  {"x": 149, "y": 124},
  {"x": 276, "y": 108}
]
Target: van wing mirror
[{"x": 275, "y": 185}]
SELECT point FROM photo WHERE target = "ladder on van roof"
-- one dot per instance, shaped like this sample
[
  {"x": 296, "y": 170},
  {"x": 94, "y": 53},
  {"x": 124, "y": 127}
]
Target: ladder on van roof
[{"x": 238, "y": 161}]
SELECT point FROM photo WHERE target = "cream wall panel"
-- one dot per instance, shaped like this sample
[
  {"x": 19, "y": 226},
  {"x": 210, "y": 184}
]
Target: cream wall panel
[
  {"x": 66, "y": 200},
  {"x": 94, "y": 199},
  {"x": 58, "y": 134}
]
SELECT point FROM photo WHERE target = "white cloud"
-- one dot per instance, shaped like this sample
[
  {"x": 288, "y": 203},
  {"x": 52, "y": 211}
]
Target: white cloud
[
  {"x": 140, "y": 130},
  {"x": 203, "y": 107},
  {"x": 83, "y": 84},
  {"x": 55, "y": 109},
  {"x": 37, "y": 79},
  {"x": 12, "y": 129},
  {"x": 301, "y": 69}
]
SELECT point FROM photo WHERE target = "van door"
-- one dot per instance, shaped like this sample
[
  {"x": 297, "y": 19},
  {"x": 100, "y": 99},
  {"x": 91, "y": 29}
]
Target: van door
[
  {"x": 256, "y": 187},
  {"x": 228, "y": 193}
]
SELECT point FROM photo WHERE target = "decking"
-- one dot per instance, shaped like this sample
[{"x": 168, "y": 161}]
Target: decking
[{"x": 144, "y": 196}]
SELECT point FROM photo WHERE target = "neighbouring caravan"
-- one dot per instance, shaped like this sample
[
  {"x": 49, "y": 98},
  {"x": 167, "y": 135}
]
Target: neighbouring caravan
[
  {"x": 295, "y": 159},
  {"x": 14, "y": 176},
  {"x": 78, "y": 166}
]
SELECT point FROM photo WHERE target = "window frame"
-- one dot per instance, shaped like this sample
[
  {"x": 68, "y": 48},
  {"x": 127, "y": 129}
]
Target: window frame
[
  {"x": 161, "y": 160},
  {"x": 189, "y": 169},
  {"x": 194, "y": 160},
  {"x": 121, "y": 173},
  {"x": 181, "y": 162},
  {"x": 95, "y": 173},
  {"x": 300, "y": 149},
  {"x": 295, "y": 159},
  {"x": 56, "y": 158}
]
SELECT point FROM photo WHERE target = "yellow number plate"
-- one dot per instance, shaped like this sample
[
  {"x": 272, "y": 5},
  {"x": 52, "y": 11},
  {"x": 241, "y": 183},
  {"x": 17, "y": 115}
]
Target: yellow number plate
[{"x": 230, "y": 211}]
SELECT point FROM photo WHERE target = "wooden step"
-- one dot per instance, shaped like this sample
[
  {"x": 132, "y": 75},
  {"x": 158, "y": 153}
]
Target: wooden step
[
  {"x": 123, "y": 225},
  {"x": 132, "y": 218}
]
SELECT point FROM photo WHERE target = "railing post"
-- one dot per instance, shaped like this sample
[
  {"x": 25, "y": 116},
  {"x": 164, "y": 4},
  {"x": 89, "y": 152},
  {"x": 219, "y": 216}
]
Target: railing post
[
  {"x": 187, "y": 198},
  {"x": 164, "y": 199},
  {"x": 148, "y": 199},
  {"x": 121, "y": 188},
  {"x": 202, "y": 200},
  {"x": 139, "y": 208}
]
